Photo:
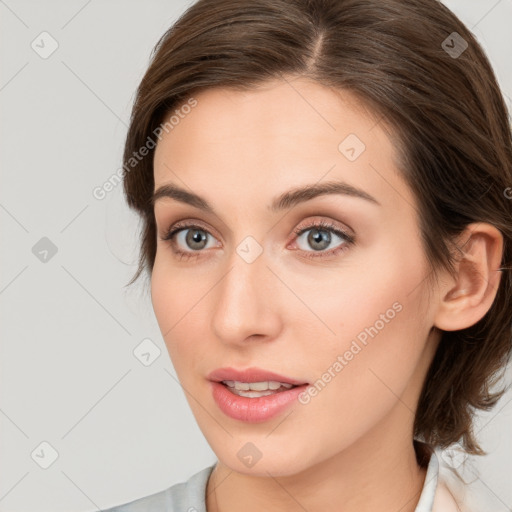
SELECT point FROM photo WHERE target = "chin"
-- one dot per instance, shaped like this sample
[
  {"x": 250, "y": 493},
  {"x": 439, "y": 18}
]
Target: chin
[{"x": 275, "y": 460}]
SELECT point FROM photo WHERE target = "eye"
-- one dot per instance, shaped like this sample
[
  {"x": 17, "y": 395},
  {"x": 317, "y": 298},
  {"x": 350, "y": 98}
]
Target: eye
[
  {"x": 189, "y": 240},
  {"x": 320, "y": 238},
  {"x": 191, "y": 236}
]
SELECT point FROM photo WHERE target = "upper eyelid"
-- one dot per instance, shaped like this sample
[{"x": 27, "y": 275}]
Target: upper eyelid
[
  {"x": 320, "y": 206},
  {"x": 187, "y": 224}
]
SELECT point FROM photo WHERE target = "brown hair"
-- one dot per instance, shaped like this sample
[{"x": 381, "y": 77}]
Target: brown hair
[{"x": 449, "y": 119}]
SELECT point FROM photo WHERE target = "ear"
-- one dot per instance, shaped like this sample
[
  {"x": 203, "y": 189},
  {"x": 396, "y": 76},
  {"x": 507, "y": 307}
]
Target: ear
[{"x": 467, "y": 296}]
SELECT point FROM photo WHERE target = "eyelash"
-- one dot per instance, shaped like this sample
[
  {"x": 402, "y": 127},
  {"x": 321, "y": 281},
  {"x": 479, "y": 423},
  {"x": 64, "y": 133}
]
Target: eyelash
[{"x": 319, "y": 225}]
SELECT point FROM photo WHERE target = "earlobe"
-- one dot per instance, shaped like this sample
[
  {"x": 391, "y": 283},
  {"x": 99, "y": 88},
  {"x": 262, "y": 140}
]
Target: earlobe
[{"x": 471, "y": 291}]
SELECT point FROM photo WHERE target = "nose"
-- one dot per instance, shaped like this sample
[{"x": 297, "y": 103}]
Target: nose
[{"x": 246, "y": 303}]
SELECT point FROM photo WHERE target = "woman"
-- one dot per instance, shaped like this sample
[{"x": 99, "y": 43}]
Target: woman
[{"x": 327, "y": 231}]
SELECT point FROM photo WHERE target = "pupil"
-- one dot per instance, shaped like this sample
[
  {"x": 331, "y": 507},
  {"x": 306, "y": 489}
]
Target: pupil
[
  {"x": 195, "y": 237},
  {"x": 316, "y": 237}
]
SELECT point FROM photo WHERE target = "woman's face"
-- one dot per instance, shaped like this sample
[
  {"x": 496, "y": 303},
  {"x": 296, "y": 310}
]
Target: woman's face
[{"x": 348, "y": 315}]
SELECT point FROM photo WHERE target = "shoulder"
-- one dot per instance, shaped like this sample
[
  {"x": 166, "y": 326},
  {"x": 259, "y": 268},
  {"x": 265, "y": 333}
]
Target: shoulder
[
  {"x": 188, "y": 496},
  {"x": 445, "y": 490},
  {"x": 445, "y": 501},
  {"x": 453, "y": 494}
]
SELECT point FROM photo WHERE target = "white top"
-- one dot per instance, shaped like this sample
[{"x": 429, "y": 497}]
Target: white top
[{"x": 441, "y": 492}]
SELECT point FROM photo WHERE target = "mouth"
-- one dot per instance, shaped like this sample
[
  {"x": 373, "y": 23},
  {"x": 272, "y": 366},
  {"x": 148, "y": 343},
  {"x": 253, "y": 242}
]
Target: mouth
[
  {"x": 253, "y": 395},
  {"x": 257, "y": 389}
]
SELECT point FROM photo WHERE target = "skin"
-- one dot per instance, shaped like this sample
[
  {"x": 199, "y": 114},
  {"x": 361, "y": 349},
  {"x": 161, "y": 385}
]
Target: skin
[{"x": 351, "y": 446}]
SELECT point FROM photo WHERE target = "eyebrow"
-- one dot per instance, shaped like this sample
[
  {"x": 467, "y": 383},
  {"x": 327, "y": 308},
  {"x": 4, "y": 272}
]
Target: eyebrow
[{"x": 282, "y": 202}]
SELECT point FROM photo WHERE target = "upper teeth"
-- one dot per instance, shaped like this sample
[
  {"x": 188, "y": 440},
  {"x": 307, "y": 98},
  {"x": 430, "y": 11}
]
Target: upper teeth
[{"x": 256, "y": 386}]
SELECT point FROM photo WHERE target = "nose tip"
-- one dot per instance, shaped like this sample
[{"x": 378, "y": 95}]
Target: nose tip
[{"x": 244, "y": 305}]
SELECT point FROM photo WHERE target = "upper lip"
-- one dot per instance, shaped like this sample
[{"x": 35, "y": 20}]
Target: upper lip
[{"x": 250, "y": 375}]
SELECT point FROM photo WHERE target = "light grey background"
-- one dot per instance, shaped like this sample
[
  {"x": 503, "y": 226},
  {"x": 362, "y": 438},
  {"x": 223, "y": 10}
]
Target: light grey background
[{"x": 69, "y": 376}]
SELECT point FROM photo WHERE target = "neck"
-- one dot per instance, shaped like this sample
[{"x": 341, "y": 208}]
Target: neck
[{"x": 367, "y": 476}]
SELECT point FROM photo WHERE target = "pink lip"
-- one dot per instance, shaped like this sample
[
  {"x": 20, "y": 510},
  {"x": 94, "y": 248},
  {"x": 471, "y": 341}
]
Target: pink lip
[
  {"x": 250, "y": 375},
  {"x": 253, "y": 410}
]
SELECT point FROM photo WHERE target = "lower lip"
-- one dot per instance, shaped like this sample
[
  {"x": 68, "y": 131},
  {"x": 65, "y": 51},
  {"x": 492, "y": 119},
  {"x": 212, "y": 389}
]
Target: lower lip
[{"x": 254, "y": 410}]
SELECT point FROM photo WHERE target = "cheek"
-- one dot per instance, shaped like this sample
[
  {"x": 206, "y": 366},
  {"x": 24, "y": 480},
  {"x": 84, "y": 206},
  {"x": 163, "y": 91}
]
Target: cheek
[
  {"x": 385, "y": 279},
  {"x": 168, "y": 301},
  {"x": 173, "y": 293},
  {"x": 162, "y": 296},
  {"x": 377, "y": 314},
  {"x": 371, "y": 289},
  {"x": 178, "y": 300}
]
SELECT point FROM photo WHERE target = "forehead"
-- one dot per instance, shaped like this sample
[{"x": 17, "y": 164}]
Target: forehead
[
  {"x": 277, "y": 135},
  {"x": 274, "y": 108}
]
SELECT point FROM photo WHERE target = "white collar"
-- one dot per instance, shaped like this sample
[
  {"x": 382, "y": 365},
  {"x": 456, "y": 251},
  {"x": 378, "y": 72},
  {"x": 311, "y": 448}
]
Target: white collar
[{"x": 443, "y": 489}]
